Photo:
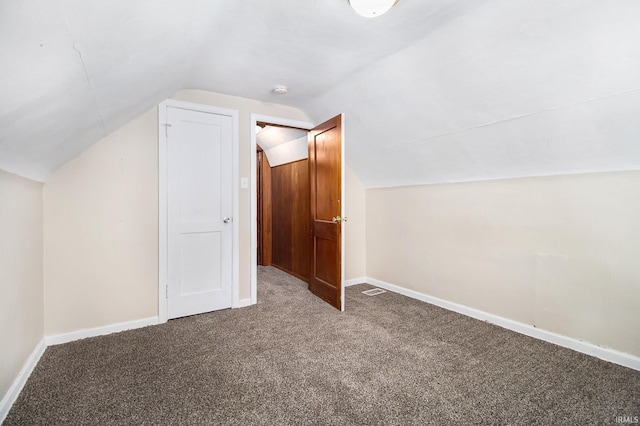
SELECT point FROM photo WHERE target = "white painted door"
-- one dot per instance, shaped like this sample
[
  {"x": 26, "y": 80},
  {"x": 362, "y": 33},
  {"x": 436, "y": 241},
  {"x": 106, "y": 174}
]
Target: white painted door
[{"x": 200, "y": 236}]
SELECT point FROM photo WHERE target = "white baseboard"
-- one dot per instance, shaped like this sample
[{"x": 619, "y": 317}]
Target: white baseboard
[
  {"x": 17, "y": 385},
  {"x": 243, "y": 303},
  {"x": 607, "y": 354},
  {"x": 354, "y": 281},
  {"x": 15, "y": 389},
  {"x": 58, "y": 339}
]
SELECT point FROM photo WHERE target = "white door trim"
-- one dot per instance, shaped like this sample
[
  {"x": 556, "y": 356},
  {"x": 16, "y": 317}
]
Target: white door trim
[
  {"x": 343, "y": 210},
  {"x": 255, "y": 118},
  {"x": 163, "y": 200}
]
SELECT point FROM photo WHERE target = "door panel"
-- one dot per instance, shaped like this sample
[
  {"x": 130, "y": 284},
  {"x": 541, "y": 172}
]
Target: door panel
[
  {"x": 199, "y": 264},
  {"x": 325, "y": 176},
  {"x": 199, "y": 198}
]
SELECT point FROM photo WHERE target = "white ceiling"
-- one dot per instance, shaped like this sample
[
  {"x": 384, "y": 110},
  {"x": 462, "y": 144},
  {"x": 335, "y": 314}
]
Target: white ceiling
[
  {"x": 272, "y": 136},
  {"x": 283, "y": 145},
  {"x": 434, "y": 91}
]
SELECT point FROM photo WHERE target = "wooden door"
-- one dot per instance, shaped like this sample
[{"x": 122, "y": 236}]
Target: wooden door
[
  {"x": 325, "y": 177},
  {"x": 199, "y": 174}
]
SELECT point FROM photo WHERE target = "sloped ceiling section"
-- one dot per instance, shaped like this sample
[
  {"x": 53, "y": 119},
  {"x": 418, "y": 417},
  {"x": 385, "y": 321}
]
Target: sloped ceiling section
[
  {"x": 283, "y": 145},
  {"x": 434, "y": 91},
  {"x": 520, "y": 88},
  {"x": 73, "y": 71}
]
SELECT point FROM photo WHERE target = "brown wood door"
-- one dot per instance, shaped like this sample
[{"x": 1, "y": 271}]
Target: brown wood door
[{"x": 325, "y": 177}]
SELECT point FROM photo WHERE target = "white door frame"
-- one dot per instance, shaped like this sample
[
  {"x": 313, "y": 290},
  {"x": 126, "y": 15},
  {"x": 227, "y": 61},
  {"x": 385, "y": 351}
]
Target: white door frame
[
  {"x": 163, "y": 260},
  {"x": 255, "y": 118}
]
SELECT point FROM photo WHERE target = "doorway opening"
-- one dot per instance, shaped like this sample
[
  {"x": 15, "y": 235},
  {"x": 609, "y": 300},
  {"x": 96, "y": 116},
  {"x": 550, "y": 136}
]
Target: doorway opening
[
  {"x": 280, "y": 197},
  {"x": 283, "y": 218},
  {"x": 306, "y": 202},
  {"x": 282, "y": 185}
]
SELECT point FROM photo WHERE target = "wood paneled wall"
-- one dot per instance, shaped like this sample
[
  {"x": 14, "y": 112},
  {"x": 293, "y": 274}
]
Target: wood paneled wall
[
  {"x": 291, "y": 238},
  {"x": 264, "y": 210}
]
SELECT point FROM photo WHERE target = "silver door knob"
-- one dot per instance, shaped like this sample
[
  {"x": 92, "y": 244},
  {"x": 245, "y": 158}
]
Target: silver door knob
[{"x": 226, "y": 220}]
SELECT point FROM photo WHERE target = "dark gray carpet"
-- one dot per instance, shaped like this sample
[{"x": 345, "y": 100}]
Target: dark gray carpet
[{"x": 293, "y": 360}]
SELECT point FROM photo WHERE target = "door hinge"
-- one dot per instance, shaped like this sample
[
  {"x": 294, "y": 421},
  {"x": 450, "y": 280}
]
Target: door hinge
[
  {"x": 166, "y": 293},
  {"x": 166, "y": 129}
]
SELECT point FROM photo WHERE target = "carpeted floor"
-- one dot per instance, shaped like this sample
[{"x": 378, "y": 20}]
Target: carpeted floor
[{"x": 294, "y": 360}]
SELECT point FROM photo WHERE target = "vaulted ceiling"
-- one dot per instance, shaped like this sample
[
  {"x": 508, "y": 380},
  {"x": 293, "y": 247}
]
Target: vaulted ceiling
[{"x": 433, "y": 91}]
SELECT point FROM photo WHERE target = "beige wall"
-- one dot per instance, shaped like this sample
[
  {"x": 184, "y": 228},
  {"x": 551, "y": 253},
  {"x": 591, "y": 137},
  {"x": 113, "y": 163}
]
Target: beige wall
[
  {"x": 21, "y": 284},
  {"x": 355, "y": 228},
  {"x": 101, "y": 232},
  {"x": 101, "y": 222},
  {"x": 560, "y": 253}
]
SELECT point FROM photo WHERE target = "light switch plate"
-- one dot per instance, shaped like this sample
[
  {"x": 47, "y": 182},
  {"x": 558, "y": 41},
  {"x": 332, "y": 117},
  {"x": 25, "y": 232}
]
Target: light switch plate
[{"x": 244, "y": 183}]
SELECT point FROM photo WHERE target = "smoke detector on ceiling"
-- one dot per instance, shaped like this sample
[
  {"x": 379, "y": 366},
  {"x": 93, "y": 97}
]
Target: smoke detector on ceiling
[{"x": 280, "y": 90}]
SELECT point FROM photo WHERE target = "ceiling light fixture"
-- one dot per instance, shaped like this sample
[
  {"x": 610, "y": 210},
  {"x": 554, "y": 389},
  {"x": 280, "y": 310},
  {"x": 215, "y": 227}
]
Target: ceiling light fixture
[{"x": 372, "y": 8}]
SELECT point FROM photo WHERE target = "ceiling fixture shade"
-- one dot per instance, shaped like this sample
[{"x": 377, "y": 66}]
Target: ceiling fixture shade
[{"x": 372, "y": 8}]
